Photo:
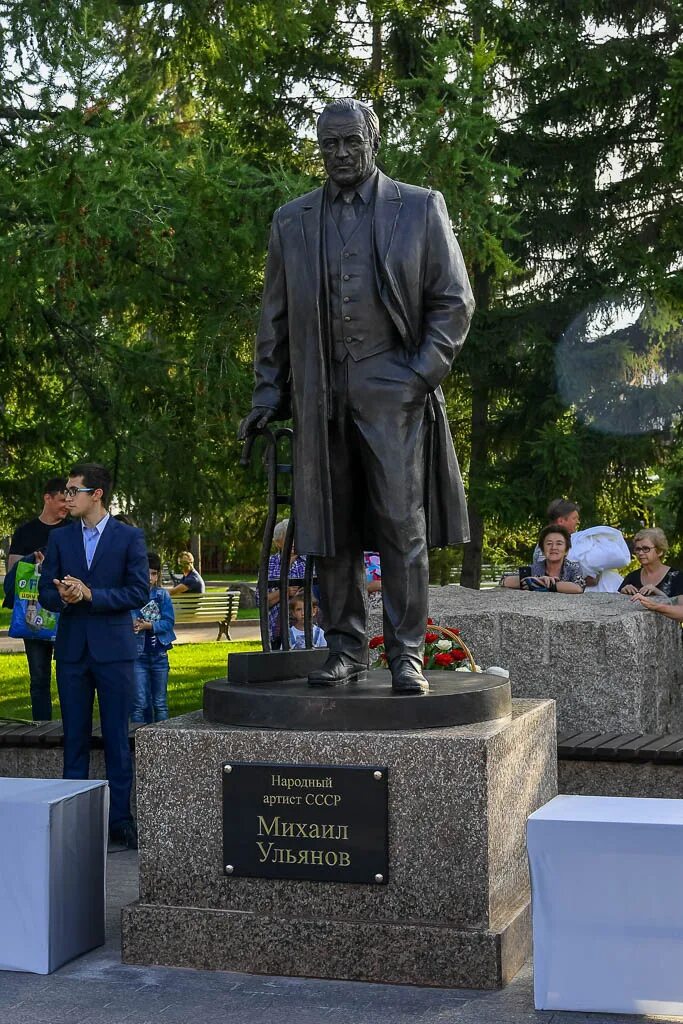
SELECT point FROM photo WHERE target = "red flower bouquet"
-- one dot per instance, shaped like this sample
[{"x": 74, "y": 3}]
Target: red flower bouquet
[{"x": 443, "y": 649}]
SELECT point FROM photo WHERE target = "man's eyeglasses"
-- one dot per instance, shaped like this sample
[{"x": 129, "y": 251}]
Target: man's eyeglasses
[
  {"x": 71, "y": 492},
  {"x": 644, "y": 550}
]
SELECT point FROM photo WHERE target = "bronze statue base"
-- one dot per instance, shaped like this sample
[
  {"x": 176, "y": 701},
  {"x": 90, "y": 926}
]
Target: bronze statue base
[{"x": 454, "y": 698}]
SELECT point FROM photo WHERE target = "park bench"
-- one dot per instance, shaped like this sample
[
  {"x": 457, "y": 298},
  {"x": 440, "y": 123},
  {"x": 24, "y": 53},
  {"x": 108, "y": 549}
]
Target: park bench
[
  {"x": 219, "y": 606},
  {"x": 592, "y": 745},
  {"x": 19, "y": 733}
]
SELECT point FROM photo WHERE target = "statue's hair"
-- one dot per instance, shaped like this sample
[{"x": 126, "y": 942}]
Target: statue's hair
[{"x": 348, "y": 103}]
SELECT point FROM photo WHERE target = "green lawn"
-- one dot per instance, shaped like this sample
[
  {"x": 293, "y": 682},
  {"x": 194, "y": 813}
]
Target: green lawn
[
  {"x": 231, "y": 577},
  {"x": 192, "y": 665},
  {"x": 6, "y": 615}
]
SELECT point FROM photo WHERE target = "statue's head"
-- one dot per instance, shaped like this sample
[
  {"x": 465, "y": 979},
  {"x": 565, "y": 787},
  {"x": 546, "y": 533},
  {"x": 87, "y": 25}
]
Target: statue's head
[{"x": 348, "y": 136}]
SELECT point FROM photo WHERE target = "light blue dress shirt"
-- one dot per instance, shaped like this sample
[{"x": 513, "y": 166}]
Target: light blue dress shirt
[{"x": 91, "y": 537}]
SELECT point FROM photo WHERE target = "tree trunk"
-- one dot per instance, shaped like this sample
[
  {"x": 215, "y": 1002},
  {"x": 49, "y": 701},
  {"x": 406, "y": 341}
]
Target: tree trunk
[
  {"x": 196, "y": 549},
  {"x": 471, "y": 562},
  {"x": 376, "y": 63}
]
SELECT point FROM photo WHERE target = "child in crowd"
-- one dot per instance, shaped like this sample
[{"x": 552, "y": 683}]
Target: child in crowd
[
  {"x": 153, "y": 625},
  {"x": 297, "y": 569},
  {"x": 373, "y": 578},
  {"x": 297, "y": 639}
]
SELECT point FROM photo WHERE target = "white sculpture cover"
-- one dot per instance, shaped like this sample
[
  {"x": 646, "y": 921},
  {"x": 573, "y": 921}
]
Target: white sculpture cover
[
  {"x": 607, "y": 904},
  {"x": 53, "y": 846}
]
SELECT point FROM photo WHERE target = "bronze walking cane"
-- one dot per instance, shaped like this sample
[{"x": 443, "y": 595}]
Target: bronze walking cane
[{"x": 279, "y": 474}]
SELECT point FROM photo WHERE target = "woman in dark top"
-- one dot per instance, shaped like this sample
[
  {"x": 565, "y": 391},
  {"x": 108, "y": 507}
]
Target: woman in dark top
[
  {"x": 190, "y": 582},
  {"x": 653, "y": 579}
]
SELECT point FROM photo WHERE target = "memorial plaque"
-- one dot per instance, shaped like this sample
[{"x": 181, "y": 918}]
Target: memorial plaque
[{"x": 319, "y": 823}]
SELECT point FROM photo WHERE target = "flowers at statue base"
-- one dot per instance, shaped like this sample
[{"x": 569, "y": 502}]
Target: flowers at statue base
[{"x": 440, "y": 652}]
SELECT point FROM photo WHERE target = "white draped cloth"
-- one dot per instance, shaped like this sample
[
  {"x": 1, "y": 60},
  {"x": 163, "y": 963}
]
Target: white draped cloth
[{"x": 600, "y": 551}]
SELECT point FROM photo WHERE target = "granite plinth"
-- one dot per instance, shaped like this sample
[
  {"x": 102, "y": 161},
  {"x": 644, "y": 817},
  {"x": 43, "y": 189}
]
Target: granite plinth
[
  {"x": 455, "y": 909},
  {"x": 608, "y": 663},
  {"x": 410, "y": 954},
  {"x": 454, "y": 698}
]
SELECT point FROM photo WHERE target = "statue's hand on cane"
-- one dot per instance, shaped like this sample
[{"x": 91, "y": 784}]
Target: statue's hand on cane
[{"x": 257, "y": 419}]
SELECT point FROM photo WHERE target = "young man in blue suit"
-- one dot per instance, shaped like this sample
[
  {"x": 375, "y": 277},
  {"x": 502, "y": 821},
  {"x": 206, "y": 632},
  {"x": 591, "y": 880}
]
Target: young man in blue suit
[{"x": 94, "y": 574}]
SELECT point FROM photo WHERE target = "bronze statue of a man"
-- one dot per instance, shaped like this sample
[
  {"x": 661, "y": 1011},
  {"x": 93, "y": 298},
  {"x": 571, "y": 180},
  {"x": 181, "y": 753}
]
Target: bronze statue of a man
[{"x": 366, "y": 304}]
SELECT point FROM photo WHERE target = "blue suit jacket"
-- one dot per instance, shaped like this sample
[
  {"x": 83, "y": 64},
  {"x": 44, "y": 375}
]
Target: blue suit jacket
[{"x": 119, "y": 580}]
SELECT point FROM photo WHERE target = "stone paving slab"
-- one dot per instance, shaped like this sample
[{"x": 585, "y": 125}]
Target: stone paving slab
[{"x": 98, "y": 989}]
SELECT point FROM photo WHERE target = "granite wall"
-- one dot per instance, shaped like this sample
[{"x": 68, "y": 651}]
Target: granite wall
[
  {"x": 608, "y": 663},
  {"x": 608, "y": 778}
]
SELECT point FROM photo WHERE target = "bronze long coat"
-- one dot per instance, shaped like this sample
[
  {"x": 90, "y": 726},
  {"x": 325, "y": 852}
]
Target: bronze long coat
[{"x": 423, "y": 283}]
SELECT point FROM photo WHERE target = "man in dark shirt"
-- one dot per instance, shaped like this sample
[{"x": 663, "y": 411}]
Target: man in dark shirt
[
  {"x": 33, "y": 535},
  {"x": 27, "y": 539}
]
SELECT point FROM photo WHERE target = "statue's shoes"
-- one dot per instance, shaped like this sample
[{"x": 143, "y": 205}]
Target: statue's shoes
[
  {"x": 339, "y": 668},
  {"x": 407, "y": 678}
]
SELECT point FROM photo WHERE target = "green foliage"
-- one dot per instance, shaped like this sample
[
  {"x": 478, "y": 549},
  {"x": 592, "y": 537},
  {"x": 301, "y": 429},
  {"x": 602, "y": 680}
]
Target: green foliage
[
  {"x": 546, "y": 128},
  {"x": 144, "y": 147},
  {"x": 136, "y": 208}
]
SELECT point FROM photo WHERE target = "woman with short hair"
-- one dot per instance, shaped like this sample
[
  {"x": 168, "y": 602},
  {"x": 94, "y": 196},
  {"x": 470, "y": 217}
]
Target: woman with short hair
[
  {"x": 653, "y": 579},
  {"x": 553, "y": 571}
]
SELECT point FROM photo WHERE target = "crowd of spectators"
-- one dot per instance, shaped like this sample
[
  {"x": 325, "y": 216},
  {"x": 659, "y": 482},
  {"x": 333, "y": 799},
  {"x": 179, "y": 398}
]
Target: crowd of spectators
[
  {"x": 572, "y": 561},
  {"x": 566, "y": 559},
  {"x": 295, "y": 593}
]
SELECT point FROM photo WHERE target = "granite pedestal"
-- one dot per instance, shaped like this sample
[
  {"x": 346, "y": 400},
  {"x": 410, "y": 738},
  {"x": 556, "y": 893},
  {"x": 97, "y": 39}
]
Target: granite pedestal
[{"x": 455, "y": 911}]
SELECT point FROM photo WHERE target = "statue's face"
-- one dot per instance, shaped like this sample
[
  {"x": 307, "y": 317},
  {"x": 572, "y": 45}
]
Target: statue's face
[{"x": 346, "y": 148}]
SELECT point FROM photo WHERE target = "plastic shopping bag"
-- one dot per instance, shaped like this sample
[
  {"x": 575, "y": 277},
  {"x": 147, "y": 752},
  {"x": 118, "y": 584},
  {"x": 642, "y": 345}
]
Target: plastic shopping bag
[{"x": 30, "y": 621}]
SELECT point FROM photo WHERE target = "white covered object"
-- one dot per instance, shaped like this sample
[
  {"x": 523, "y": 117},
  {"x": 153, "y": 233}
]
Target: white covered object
[
  {"x": 607, "y": 904},
  {"x": 53, "y": 846},
  {"x": 600, "y": 550}
]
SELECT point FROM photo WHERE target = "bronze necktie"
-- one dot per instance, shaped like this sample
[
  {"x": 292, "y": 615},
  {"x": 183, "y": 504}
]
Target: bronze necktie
[{"x": 347, "y": 217}]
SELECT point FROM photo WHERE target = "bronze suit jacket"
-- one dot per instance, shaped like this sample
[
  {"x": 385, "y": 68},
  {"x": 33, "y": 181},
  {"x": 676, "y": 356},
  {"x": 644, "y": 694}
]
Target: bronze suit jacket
[{"x": 423, "y": 283}]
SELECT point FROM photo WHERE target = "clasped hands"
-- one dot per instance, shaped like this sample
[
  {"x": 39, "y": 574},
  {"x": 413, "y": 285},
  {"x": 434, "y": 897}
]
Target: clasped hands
[
  {"x": 72, "y": 590},
  {"x": 549, "y": 582},
  {"x": 647, "y": 590}
]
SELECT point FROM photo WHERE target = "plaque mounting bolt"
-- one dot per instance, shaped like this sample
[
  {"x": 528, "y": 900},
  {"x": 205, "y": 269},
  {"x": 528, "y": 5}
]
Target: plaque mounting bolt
[
  {"x": 377, "y": 775},
  {"x": 229, "y": 869},
  {"x": 379, "y": 878},
  {"x": 227, "y": 769}
]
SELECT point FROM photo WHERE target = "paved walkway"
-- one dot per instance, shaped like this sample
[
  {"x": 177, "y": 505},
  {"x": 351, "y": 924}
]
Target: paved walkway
[{"x": 98, "y": 989}]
